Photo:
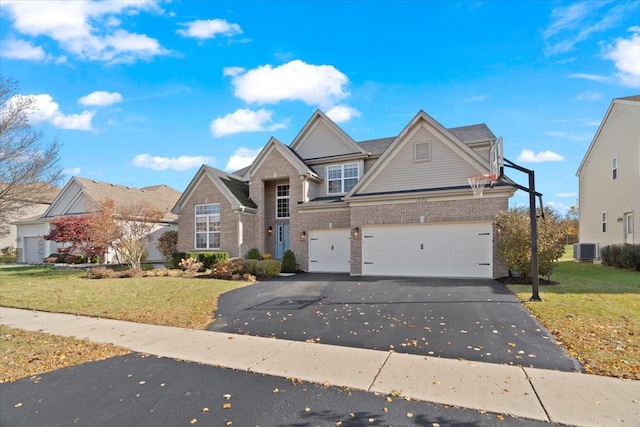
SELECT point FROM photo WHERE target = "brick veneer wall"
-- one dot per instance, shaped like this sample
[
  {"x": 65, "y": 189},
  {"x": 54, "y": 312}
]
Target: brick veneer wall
[
  {"x": 206, "y": 193},
  {"x": 481, "y": 209}
]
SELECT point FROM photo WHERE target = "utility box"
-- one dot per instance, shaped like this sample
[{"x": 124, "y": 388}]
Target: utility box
[{"x": 585, "y": 251}]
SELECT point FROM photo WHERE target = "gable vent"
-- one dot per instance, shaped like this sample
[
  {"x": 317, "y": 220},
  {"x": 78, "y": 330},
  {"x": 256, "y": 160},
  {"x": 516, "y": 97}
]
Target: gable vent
[{"x": 422, "y": 152}]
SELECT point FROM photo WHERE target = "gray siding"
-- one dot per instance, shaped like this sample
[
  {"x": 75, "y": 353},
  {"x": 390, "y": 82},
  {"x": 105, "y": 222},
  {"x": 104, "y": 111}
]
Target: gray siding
[
  {"x": 446, "y": 168},
  {"x": 322, "y": 141},
  {"x": 619, "y": 137}
]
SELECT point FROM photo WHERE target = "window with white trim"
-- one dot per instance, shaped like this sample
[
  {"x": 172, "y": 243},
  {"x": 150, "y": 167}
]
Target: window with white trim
[
  {"x": 614, "y": 168},
  {"x": 207, "y": 226},
  {"x": 604, "y": 222},
  {"x": 342, "y": 178},
  {"x": 282, "y": 201}
]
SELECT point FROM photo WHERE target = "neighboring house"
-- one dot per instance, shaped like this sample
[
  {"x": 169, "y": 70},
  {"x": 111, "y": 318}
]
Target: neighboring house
[
  {"x": 32, "y": 228},
  {"x": 80, "y": 195},
  {"x": 391, "y": 206},
  {"x": 609, "y": 179}
]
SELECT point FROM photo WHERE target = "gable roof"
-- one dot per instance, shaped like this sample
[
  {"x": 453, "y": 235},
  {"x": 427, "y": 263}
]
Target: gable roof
[
  {"x": 341, "y": 144},
  {"x": 288, "y": 153},
  {"x": 629, "y": 100},
  {"x": 234, "y": 189},
  {"x": 446, "y": 136},
  {"x": 160, "y": 197}
]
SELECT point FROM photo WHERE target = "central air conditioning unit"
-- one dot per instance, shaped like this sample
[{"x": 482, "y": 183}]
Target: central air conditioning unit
[{"x": 585, "y": 251}]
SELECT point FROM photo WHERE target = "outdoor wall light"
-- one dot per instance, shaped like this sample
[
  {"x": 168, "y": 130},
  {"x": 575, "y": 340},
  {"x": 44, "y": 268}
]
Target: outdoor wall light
[
  {"x": 356, "y": 232},
  {"x": 270, "y": 230},
  {"x": 303, "y": 235},
  {"x": 619, "y": 219}
]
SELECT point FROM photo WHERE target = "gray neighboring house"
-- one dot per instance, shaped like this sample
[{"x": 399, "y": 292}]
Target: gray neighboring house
[
  {"x": 609, "y": 180},
  {"x": 399, "y": 205},
  {"x": 75, "y": 198},
  {"x": 32, "y": 228}
]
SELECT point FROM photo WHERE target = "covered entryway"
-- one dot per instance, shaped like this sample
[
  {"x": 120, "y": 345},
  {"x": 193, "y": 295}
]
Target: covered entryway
[
  {"x": 435, "y": 250},
  {"x": 330, "y": 250}
]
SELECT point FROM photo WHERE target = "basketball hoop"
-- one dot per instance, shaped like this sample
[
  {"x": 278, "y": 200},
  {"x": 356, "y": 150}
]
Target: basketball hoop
[{"x": 479, "y": 182}]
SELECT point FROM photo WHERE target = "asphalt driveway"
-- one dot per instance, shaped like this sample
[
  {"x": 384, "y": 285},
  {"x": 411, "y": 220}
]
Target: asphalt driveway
[{"x": 472, "y": 319}]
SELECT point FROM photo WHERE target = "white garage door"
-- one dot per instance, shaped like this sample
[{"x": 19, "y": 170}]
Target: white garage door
[
  {"x": 33, "y": 250},
  {"x": 330, "y": 250},
  {"x": 440, "y": 250}
]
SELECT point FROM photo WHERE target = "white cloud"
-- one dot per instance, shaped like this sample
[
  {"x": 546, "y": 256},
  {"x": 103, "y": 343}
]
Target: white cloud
[
  {"x": 625, "y": 53},
  {"x": 476, "y": 98},
  {"x": 86, "y": 29},
  {"x": 321, "y": 85},
  {"x": 71, "y": 171},
  {"x": 180, "y": 163},
  {"x": 47, "y": 110},
  {"x": 241, "y": 158},
  {"x": 342, "y": 113},
  {"x": 244, "y": 120},
  {"x": 592, "y": 77},
  {"x": 528, "y": 156},
  {"x": 578, "y": 21},
  {"x": 209, "y": 29},
  {"x": 21, "y": 49},
  {"x": 588, "y": 96},
  {"x": 560, "y": 207},
  {"x": 101, "y": 98},
  {"x": 566, "y": 195}
]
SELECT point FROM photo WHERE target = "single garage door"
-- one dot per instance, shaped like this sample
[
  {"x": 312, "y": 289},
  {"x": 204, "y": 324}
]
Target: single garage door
[
  {"x": 33, "y": 250},
  {"x": 330, "y": 250},
  {"x": 436, "y": 250}
]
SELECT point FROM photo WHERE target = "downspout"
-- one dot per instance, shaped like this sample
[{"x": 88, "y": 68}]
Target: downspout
[{"x": 240, "y": 231}]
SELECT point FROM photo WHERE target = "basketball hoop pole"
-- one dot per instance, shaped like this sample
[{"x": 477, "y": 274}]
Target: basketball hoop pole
[{"x": 535, "y": 281}]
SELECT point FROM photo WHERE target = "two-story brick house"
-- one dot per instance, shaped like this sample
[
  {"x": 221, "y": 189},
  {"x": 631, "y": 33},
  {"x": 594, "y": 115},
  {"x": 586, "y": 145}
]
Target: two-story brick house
[{"x": 391, "y": 206}]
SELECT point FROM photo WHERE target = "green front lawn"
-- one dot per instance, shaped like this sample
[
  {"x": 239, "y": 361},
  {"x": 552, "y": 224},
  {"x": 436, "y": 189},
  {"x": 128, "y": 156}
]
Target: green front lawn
[
  {"x": 170, "y": 301},
  {"x": 595, "y": 312}
]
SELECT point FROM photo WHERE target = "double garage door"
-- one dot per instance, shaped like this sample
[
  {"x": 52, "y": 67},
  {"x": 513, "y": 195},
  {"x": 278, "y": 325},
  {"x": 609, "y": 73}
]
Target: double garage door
[{"x": 436, "y": 250}]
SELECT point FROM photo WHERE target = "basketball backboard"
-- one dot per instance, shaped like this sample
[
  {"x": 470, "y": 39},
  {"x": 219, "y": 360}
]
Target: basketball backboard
[{"x": 496, "y": 161}]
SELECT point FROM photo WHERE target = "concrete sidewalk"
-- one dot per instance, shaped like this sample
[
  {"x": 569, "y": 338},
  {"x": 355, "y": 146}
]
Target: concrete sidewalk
[{"x": 558, "y": 397}]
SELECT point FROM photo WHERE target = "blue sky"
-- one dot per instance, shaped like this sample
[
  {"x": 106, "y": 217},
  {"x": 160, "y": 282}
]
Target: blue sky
[{"x": 143, "y": 93}]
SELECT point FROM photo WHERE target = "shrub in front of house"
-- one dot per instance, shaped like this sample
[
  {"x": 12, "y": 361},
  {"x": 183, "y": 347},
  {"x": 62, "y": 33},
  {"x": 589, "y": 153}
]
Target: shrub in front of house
[
  {"x": 75, "y": 259},
  {"x": 266, "y": 255},
  {"x": 55, "y": 258},
  {"x": 102, "y": 273},
  {"x": 190, "y": 265},
  {"x": 289, "y": 262},
  {"x": 209, "y": 259},
  {"x": 232, "y": 269},
  {"x": 254, "y": 253},
  {"x": 268, "y": 268},
  {"x": 625, "y": 256},
  {"x": 176, "y": 257}
]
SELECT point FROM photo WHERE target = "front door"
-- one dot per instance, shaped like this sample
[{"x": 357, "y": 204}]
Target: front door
[
  {"x": 628, "y": 228},
  {"x": 282, "y": 239}
]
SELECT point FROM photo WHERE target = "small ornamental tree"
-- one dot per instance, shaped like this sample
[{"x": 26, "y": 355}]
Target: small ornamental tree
[
  {"x": 513, "y": 240},
  {"x": 135, "y": 222},
  {"x": 168, "y": 244},
  {"x": 72, "y": 231}
]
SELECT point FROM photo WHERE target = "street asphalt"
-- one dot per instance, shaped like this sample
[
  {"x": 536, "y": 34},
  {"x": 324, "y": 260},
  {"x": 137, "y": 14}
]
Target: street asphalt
[
  {"x": 137, "y": 390},
  {"x": 470, "y": 319}
]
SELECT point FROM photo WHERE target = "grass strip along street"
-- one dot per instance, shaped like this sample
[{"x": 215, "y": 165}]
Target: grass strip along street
[{"x": 593, "y": 310}]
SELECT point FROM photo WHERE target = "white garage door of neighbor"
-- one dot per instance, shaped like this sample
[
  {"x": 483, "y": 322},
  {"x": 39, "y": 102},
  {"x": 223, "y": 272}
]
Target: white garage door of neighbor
[
  {"x": 330, "y": 250},
  {"x": 33, "y": 250},
  {"x": 437, "y": 250}
]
